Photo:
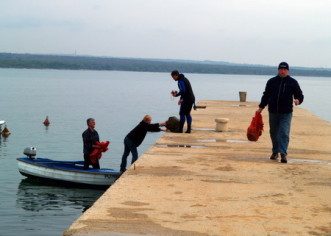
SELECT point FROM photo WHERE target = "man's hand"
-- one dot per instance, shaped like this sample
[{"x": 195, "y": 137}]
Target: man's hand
[
  {"x": 174, "y": 93},
  {"x": 259, "y": 110}
]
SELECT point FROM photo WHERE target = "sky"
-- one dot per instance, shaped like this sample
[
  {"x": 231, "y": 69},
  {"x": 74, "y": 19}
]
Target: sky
[{"x": 262, "y": 32}]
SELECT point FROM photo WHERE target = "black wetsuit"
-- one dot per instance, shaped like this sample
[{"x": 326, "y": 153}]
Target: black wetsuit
[{"x": 188, "y": 99}]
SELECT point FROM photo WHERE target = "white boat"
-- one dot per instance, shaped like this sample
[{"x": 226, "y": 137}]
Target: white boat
[
  {"x": 2, "y": 122},
  {"x": 65, "y": 172}
]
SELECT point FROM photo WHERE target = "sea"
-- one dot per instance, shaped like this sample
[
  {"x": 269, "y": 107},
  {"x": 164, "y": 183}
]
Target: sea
[{"x": 117, "y": 100}]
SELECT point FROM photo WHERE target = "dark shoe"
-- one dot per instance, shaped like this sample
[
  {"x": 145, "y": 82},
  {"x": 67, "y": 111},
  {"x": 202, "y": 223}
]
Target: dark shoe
[
  {"x": 123, "y": 170},
  {"x": 180, "y": 130},
  {"x": 283, "y": 158},
  {"x": 189, "y": 127},
  {"x": 274, "y": 156}
]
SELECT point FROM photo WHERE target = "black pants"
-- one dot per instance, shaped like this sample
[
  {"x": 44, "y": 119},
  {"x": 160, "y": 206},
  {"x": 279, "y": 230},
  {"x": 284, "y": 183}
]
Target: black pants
[
  {"x": 185, "y": 114},
  {"x": 186, "y": 107},
  {"x": 87, "y": 163}
]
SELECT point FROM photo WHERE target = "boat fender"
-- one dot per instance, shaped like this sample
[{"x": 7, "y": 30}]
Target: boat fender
[
  {"x": 46, "y": 121},
  {"x": 5, "y": 132}
]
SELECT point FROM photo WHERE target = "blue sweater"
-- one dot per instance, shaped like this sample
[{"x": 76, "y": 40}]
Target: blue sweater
[{"x": 185, "y": 89}]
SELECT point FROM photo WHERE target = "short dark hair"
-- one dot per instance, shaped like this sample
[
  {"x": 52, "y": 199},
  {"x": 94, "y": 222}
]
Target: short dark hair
[
  {"x": 89, "y": 120},
  {"x": 175, "y": 72}
]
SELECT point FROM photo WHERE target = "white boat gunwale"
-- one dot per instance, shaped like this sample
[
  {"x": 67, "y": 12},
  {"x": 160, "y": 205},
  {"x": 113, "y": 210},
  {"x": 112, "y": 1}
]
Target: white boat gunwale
[
  {"x": 36, "y": 162},
  {"x": 66, "y": 172}
]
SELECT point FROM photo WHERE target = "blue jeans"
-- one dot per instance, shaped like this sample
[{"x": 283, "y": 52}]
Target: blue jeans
[
  {"x": 129, "y": 146},
  {"x": 280, "y": 125}
]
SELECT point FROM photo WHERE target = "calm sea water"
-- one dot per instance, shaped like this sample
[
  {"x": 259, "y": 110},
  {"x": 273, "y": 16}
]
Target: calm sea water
[{"x": 118, "y": 101}]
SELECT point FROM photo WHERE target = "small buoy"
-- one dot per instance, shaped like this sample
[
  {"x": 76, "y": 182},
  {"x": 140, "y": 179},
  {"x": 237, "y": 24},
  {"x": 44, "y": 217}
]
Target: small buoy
[
  {"x": 5, "y": 132},
  {"x": 46, "y": 121}
]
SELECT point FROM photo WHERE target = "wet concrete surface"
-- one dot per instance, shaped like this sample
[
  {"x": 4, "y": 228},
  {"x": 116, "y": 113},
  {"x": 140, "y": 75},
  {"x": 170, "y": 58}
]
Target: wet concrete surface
[{"x": 219, "y": 183}]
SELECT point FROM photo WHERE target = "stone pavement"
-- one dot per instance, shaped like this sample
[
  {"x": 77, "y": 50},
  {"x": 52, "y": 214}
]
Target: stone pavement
[{"x": 218, "y": 183}]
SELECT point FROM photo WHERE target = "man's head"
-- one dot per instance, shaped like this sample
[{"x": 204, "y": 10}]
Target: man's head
[
  {"x": 175, "y": 74},
  {"x": 90, "y": 123},
  {"x": 147, "y": 119},
  {"x": 283, "y": 69}
]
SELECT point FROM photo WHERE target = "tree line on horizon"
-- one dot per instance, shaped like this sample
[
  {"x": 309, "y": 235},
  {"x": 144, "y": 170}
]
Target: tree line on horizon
[{"x": 34, "y": 61}]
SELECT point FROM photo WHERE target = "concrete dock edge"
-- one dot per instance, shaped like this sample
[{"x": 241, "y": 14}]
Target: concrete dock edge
[{"x": 219, "y": 183}]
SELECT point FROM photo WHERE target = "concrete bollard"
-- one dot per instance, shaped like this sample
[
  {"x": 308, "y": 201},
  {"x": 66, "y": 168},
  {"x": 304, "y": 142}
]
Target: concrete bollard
[
  {"x": 221, "y": 124},
  {"x": 242, "y": 96}
]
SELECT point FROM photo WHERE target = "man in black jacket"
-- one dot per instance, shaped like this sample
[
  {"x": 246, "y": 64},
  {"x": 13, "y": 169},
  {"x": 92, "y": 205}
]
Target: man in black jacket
[
  {"x": 136, "y": 136},
  {"x": 90, "y": 137},
  {"x": 280, "y": 93},
  {"x": 186, "y": 101}
]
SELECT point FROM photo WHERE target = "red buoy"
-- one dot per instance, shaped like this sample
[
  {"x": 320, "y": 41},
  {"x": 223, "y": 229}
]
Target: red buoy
[{"x": 46, "y": 121}]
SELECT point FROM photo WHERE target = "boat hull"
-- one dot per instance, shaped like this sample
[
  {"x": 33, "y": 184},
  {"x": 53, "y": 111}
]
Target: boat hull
[{"x": 71, "y": 173}]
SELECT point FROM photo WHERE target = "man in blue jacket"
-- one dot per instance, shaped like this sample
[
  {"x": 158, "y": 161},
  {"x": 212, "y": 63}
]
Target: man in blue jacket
[
  {"x": 186, "y": 101},
  {"x": 280, "y": 93}
]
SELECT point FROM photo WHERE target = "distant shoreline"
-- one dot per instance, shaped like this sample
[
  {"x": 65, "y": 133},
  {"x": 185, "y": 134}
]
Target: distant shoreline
[{"x": 74, "y": 62}]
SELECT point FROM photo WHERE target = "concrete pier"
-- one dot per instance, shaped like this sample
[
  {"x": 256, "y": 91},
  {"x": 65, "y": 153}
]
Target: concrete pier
[{"x": 218, "y": 183}]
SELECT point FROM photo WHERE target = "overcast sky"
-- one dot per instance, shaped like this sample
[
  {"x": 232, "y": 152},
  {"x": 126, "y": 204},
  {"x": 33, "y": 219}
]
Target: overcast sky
[{"x": 239, "y": 31}]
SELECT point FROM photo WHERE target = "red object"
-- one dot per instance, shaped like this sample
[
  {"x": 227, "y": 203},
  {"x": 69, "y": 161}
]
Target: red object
[
  {"x": 96, "y": 154},
  {"x": 254, "y": 131}
]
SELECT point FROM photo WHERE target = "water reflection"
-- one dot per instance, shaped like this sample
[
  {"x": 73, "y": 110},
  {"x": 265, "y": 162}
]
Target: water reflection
[
  {"x": 241, "y": 105},
  {"x": 307, "y": 161},
  {"x": 3, "y": 145},
  {"x": 203, "y": 129},
  {"x": 181, "y": 146},
  {"x": 33, "y": 195},
  {"x": 223, "y": 140},
  {"x": 3, "y": 139}
]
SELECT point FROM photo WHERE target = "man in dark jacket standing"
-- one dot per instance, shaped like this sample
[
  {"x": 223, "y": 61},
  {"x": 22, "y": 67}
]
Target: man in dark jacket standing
[
  {"x": 186, "y": 102},
  {"x": 90, "y": 137},
  {"x": 280, "y": 94},
  {"x": 136, "y": 136}
]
